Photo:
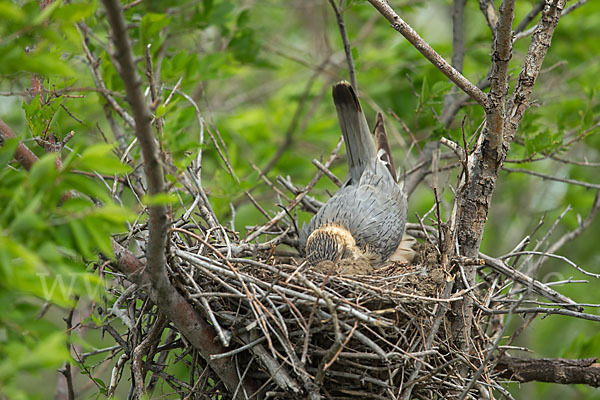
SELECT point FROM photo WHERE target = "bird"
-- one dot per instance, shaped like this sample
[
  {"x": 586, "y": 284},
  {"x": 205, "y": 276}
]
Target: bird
[{"x": 365, "y": 219}]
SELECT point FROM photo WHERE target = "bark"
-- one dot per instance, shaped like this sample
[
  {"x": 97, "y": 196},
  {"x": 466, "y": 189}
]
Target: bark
[
  {"x": 187, "y": 320},
  {"x": 486, "y": 162},
  {"x": 554, "y": 370},
  {"x": 23, "y": 155},
  {"x": 413, "y": 37}
]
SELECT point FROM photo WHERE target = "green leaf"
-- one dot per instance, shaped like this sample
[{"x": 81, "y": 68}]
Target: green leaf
[
  {"x": 7, "y": 151},
  {"x": 75, "y": 12},
  {"x": 159, "y": 199},
  {"x": 543, "y": 142},
  {"x": 160, "y": 111},
  {"x": 99, "y": 158},
  {"x": 243, "y": 19},
  {"x": 44, "y": 173},
  {"x": 101, "y": 236},
  {"x": 221, "y": 13},
  {"x": 441, "y": 87},
  {"x": 85, "y": 185},
  {"x": 114, "y": 214},
  {"x": 245, "y": 45},
  {"x": 212, "y": 65},
  {"x": 151, "y": 25},
  {"x": 10, "y": 11},
  {"x": 28, "y": 221},
  {"x": 44, "y": 64},
  {"x": 46, "y": 12},
  {"x": 82, "y": 237}
]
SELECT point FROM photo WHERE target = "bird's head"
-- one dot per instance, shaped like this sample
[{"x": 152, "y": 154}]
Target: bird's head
[{"x": 331, "y": 242}]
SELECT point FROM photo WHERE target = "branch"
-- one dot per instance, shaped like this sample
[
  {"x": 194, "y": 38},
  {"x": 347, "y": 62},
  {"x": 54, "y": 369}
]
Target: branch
[
  {"x": 582, "y": 226},
  {"x": 522, "y": 34},
  {"x": 489, "y": 12},
  {"x": 187, "y": 320},
  {"x": 571, "y": 235},
  {"x": 530, "y": 16},
  {"x": 501, "y": 125},
  {"x": 532, "y": 284},
  {"x": 540, "y": 42},
  {"x": 499, "y": 77},
  {"x": 163, "y": 293},
  {"x": 479, "y": 180},
  {"x": 347, "y": 49},
  {"x": 586, "y": 185},
  {"x": 413, "y": 37},
  {"x": 23, "y": 155},
  {"x": 458, "y": 49},
  {"x": 176, "y": 308},
  {"x": 554, "y": 370},
  {"x": 98, "y": 81},
  {"x": 157, "y": 241}
]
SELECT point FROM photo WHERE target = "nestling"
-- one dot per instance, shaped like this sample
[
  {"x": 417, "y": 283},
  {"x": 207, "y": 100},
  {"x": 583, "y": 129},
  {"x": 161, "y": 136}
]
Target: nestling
[{"x": 365, "y": 218}]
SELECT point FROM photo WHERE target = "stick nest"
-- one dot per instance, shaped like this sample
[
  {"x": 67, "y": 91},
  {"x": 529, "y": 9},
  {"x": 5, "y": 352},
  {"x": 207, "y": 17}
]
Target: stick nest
[{"x": 327, "y": 331}]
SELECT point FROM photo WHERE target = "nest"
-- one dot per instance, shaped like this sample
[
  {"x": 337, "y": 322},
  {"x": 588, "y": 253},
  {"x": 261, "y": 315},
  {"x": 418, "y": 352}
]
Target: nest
[{"x": 325, "y": 331}]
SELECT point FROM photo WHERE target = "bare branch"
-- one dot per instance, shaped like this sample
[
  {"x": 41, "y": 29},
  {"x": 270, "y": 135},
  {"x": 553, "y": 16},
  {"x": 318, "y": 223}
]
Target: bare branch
[
  {"x": 556, "y": 370},
  {"x": 490, "y": 14},
  {"x": 458, "y": 37},
  {"x": 165, "y": 296},
  {"x": 530, "y": 16},
  {"x": 189, "y": 322},
  {"x": 413, "y": 37},
  {"x": 540, "y": 42},
  {"x": 582, "y": 226},
  {"x": 347, "y": 49},
  {"x": 24, "y": 156},
  {"x": 554, "y": 178},
  {"x": 533, "y": 284},
  {"x": 296, "y": 199},
  {"x": 458, "y": 48},
  {"x": 522, "y": 34},
  {"x": 143, "y": 130},
  {"x": 98, "y": 81}
]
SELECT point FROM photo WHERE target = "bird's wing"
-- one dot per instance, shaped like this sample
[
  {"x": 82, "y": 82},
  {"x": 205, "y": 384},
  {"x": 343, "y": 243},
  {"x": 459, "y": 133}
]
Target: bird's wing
[
  {"x": 381, "y": 208},
  {"x": 374, "y": 211},
  {"x": 360, "y": 146}
]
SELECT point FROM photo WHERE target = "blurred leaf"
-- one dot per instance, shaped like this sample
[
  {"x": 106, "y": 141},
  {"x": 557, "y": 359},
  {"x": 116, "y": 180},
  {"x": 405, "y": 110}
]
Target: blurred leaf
[
  {"x": 11, "y": 12},
  {"x": 159, "y": 199},
  {"x": 243, "y": 19},
  {"x": 46, "y": 12},
  {"x": 543, "y": 142},
  {"x": 245, "y": 45},
  {"x": 151, "y": 25},
  {"x": 7, "y": 151},
  {"x": 75, "y": 12},
  {"x": 43, "y": 173},
  {"x": 441, "y": 87},
  {"x": 99, "y": 158}
]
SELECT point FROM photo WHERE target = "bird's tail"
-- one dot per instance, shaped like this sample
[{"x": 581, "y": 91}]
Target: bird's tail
[
  {"x": 360, "y": 146},
  {"x": 384, "y": 152}
]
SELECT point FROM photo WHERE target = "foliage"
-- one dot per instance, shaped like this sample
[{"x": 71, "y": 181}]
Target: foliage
[{"x": 245, "y": 69}]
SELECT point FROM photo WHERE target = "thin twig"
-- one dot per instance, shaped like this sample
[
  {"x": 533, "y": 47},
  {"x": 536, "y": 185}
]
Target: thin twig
[
  {"x": 413, "y": 37},
  {"x": 347, "y": 49}
]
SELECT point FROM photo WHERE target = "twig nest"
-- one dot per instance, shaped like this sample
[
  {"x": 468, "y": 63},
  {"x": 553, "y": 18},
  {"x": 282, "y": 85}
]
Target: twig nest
[
  {"x": 345, "y": 267},
  {"x": 341, "y": 330},
  {"x": 424, "y": 276}
]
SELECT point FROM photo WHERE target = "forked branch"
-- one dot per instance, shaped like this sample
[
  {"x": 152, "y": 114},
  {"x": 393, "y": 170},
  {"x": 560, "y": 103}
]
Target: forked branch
[{"x": 413, "y": 37}]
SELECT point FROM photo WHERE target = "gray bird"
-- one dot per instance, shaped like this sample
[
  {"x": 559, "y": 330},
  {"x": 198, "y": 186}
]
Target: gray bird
[{"x": 365, "y": 218}]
